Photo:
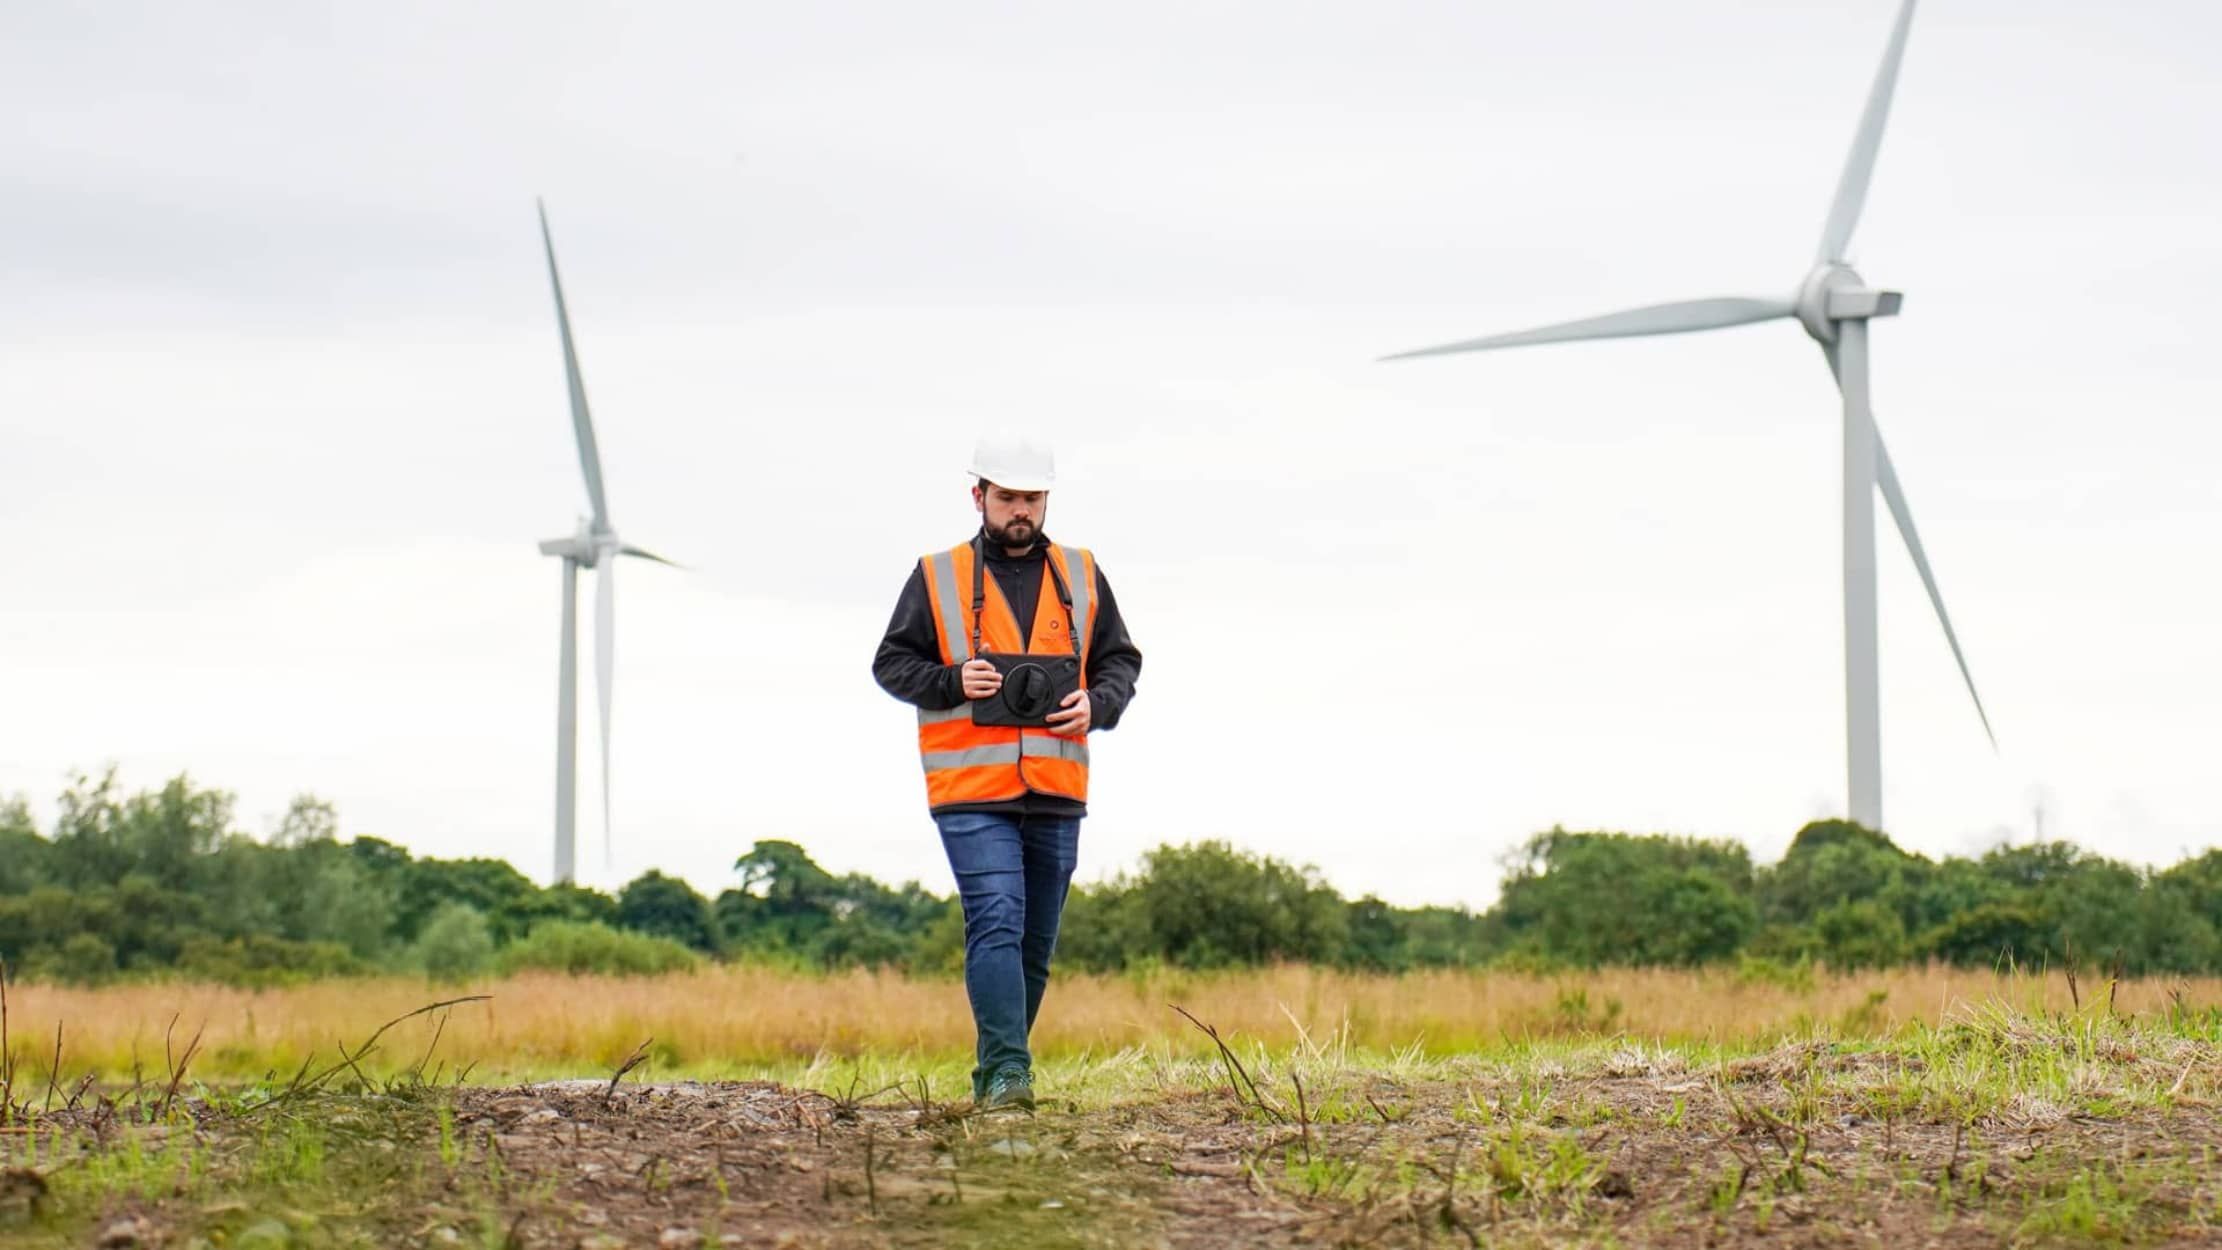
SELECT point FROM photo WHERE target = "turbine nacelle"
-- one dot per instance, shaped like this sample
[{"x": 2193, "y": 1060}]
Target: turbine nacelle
[
  {"x": 585, "y": 547},
  {"x": 1835, "y": 292}
]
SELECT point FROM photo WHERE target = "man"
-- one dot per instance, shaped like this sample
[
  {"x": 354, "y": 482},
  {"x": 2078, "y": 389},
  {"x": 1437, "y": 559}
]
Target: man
[{"x": 1008, "y": 798}]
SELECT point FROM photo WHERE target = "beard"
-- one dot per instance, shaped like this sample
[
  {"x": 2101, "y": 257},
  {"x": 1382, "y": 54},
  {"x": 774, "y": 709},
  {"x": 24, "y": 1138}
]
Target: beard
[{"x": 1016, "y": 534}]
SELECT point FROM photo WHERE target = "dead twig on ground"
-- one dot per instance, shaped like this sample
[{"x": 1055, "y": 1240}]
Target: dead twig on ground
[
  {"x": 351, "y": 1061},
  {"x": 54, "y": 1069},
  {"x": 439, "y": 1027},
  {"x": 1386, "y": 1116},
  {"x": 845, "y": 1106},
  {"x": 634, "y": 1060},
  {"x": 410, "y": 1015},
  {"x": 292, "y": 1087},
  {"x": 1237, "y": 1075},
  {"x": 347, "y": 1061},
  {"x": 177, "y": 1067}
]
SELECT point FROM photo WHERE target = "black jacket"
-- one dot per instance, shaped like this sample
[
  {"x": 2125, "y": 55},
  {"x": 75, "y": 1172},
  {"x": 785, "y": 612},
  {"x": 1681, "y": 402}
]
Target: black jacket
[{"x": 908, "y": 664}]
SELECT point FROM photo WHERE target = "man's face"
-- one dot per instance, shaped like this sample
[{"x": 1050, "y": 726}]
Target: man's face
[{"x": 1011, "y": 517}]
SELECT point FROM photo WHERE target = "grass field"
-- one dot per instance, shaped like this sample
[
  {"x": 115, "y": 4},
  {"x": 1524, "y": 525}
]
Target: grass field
[
  {"x": 738, "y": 1021},
  {"x": 1630, "y": 1108}
]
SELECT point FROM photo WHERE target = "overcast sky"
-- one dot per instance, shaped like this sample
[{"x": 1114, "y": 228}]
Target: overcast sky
[{"x": 282, "y": 412}]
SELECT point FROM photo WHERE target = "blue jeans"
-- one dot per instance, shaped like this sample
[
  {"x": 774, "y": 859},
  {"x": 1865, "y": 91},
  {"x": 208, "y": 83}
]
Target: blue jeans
[{"x": 1012, "y": 876}]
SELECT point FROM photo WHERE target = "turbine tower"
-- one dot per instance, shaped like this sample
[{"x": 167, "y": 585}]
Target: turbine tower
[
  {"x": 594, "y": 545},
  {"x": 1834, "y": 304}
]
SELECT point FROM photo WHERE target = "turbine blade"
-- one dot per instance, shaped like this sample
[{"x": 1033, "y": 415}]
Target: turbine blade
[
  {"x": 1895, "y": 495},
  {"x": 605, "y": 657},
  {"x": 590, "y": 458},
  {"x": 640, "y": 554},
  {"x": 1859, "y": 166},
  {"x": 1675, "y": 318}
]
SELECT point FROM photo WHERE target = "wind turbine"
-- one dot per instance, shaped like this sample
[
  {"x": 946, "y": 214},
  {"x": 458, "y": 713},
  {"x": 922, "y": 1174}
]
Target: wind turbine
[
  {"x": 1834, "y": 304},
  {"x": 594, "y": 545}
]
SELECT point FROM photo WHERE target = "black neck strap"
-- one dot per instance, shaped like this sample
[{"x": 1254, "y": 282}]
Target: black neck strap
[{"x": 980, "y": 595}]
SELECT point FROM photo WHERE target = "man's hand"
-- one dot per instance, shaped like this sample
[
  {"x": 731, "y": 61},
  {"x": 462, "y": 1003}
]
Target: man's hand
[
  {"x": 1074, "y": 719},
  {"x": 980, "y": 679}
]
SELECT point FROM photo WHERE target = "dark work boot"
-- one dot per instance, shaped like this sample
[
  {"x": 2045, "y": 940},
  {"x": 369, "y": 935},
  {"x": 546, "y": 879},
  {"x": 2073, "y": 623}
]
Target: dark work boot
[{"x": 1010, "y": 1089}]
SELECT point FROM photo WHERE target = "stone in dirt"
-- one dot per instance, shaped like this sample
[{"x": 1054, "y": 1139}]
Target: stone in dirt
[
  {"x": 128, "y": 1234},
  {"x": 21, "y": 1191}
]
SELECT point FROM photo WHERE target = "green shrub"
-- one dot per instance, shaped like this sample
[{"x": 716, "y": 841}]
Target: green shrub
[
  {"x": 83, "y": 959},
  {"x": 1864, "y": 934},
  {"x": 940, "y": 950},
  {"x": 456, "y": 943},
  {"x": 585, "y": 947},
  {"x": 668, "y": 907}
]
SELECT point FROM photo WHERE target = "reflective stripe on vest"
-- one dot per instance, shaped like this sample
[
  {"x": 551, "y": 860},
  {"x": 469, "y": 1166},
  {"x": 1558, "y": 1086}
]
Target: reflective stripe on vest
[
  {"x": 956, "y": 639},
  {"x": 971, "y": 757},
  {"x": 1031, "y": 746},
  {"x": 969, "y": 763},
  {"x": 1052, "y": 747},
  {"x": 1082, "y": 580}
]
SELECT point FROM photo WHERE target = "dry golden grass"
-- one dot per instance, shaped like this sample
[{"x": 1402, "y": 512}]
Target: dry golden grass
[{"x": 735, "y": 1020}]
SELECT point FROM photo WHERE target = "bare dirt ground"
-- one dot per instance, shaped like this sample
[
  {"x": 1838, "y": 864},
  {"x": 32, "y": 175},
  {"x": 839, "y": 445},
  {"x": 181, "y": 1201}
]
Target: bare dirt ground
[
  {"x": 1806, "y": 1146},
  {"x": 1441, "y": 1164}
]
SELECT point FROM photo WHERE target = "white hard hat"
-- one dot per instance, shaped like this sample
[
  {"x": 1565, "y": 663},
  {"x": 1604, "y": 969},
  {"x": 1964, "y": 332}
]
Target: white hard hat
[{"x": 1014, "y": 461}]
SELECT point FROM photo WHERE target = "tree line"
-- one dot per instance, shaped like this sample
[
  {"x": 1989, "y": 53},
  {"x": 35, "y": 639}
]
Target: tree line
[{"x": 159, "y": 883}]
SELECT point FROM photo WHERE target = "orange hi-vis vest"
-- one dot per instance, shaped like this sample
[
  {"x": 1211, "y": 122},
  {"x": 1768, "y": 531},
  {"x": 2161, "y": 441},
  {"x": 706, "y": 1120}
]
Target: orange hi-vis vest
[{"x": 968, "y": 763}]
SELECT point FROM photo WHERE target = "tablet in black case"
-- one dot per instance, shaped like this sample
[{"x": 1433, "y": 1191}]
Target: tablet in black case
[{"x": 1033, "y": 687}]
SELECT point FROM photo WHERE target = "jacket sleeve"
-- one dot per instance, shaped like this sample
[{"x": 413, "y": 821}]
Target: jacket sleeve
[
  {"x": 1114, "y": 662},
  {"x": 908, "y": 664}
]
